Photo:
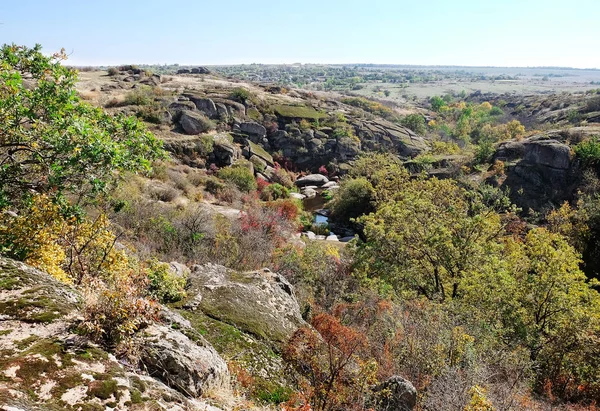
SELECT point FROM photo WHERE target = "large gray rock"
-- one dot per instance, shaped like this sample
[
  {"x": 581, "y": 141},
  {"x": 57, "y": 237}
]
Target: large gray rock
[
  {"x": 200, "y": 70},
  {"x": 256, "y": 150},
  {"x": 206, "y": 105},
  {"x": 312, "y": 180},
  {"x": 44, "y": 363},
  {"x": 251, "y": 127},
  {"x": 395, "y": 394},
  {"x": 261, "y": 303},
  {"x": 540, "y": 171},
  {"x": 378, "y": 134},
  {"x": 191, "y": 367},
  {"x": 179, "y": 106},
  {"x": 194, "y": 123},
  {"x": 234, "y": 109},
  {"x": 225, "y": 151}
]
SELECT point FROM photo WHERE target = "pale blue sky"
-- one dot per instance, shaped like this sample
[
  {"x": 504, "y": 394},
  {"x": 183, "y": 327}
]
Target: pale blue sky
[{"x": 460, "y": 32}]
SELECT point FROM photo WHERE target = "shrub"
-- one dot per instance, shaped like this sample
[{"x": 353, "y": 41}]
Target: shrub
[
  {"x": 415, "y": 122},
  {"x": 496, "y": 111},
  {"x": 240, "y": 94},
  {"x": 165, "y": 285},
  {"x": 214, "y": 185},
  {"x": 113, "y": 71},
  {"x": 354, "y": 198},
  {"x": 444, "y": 147},
  {"x": 274, "y": 192},
  {"x": 592, "y": 104},
  {"x": 116, "y": 310},
  {"x": 588, "y": 151},
  {"x": 286, "y": 208},
  {"x": 335, "y": 377},
  {"x": 69, "y": 248},
  {"x": 484, "y": 151},
  {"x": 240, "y": 176},
  {"x": 166, "y": 194},
  {"x": 283, "y": 177},
  {"x": 437, "y": 103},
  {"x": 370, "y": 106},
  {"x": 140, "y": 96}
]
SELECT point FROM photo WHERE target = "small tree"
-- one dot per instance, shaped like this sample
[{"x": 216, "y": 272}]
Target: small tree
[
  {"x": 50, "y": 141},
  {"x": 415, "y": 122},
  {"x": 335, "y": 377}
]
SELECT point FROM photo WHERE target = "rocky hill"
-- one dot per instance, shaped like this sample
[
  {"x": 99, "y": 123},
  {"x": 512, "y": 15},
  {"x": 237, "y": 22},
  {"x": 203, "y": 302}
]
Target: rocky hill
[
  {"x": 249, "y": 122},
  {"x": 46, "y": 364}
]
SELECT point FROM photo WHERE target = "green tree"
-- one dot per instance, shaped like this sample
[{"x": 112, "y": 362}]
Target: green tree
[
  {"x": 50, "y": 141},
  {"x": 415, "y": 122},
  {"x": 437, "y": 103},
  {"x": 534, "y": 294},
  {"x": 354, "y": 198},
  {"x": 428, "y": 236}
]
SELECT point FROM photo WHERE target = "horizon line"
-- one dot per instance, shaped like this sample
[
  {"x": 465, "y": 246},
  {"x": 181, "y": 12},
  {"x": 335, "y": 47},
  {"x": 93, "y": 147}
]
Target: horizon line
[{"x": 340, "y": 64}]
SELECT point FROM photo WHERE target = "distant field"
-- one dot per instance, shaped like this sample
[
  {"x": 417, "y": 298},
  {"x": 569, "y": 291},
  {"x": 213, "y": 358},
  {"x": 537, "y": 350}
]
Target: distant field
[
  {"x": 426, "y": 90},
  {"x": 401, "y": 83}
]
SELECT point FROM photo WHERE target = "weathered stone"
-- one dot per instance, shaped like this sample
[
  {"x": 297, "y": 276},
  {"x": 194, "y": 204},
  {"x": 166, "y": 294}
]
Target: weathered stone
[
  {"x": 193, "y": 123},
  {"x": 222, "y": 110},
  {"x": 200, "y": 70},
  {"x": 308, "y": 192},
  {"x": 395, "y": 394},
  {"x": 37, "y": 318},
  {"x": 191, "y": 367},
  {"x": 204, "y": 104},
  {"x": 312, "y": 180},
  {"x": 259, "y": 163},
  {"x": 226, "y": 153},
  {"x": 539, "y": 171},
  {"x": 261, "y": 303},
  {"x": 250, "y": 127},
  {"x": 256, "y": 150},
  {"x": 310, "y": 235},
  {"x": 179, "y": 270},
  {"x": 178, "y": 106}
]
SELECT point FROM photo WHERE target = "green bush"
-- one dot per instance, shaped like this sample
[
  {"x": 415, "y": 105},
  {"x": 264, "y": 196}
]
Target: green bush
[
  {"x": 141, "y": 96},
  {"x": 484, "y": 151},
  {"x": 496, "y": 111},
  {"x": 353, "y": 199},
  {"x": 274, "y": 192},
  {"x": 240, "y": 94},
  {"x": 73, "y": 147},
  {"x": 588, "y": 151},
  {"x": 415, "y": 122},
  {"x": 239, "y": 176},
  {"x": 165, "y": 286}
]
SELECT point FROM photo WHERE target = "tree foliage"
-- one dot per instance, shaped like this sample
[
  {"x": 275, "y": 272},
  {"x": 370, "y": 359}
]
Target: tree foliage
[{"x": 50, "y": 141}]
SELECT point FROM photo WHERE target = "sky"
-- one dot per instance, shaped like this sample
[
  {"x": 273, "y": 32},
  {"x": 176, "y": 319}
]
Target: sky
[{"x": 513, "y": 33}]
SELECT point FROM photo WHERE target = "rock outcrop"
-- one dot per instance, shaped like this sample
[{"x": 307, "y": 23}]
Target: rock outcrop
[
  {"x": 395, "y": 394},
  {"x": 191, "y": 367},
  {"x": 45, "y": 365},
  {"x": 540, "y": 171},
  {"x": 261, "y": 303},
  {"x": 312, "y": 180},
  {"x": 225, "y": 151},
  {"x": 193, "y": 123}
]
